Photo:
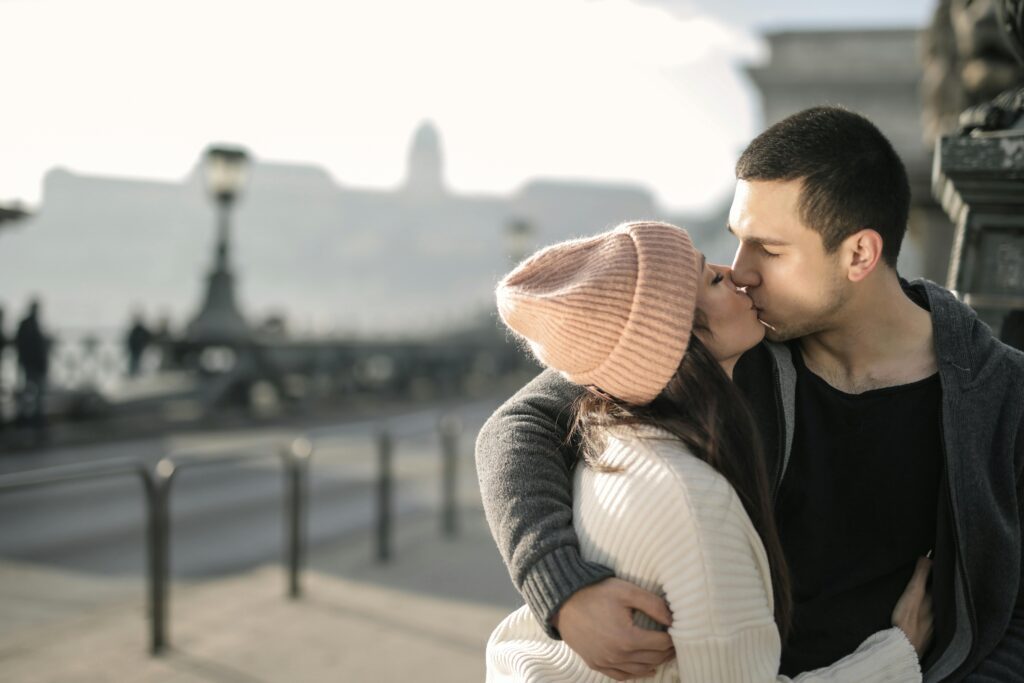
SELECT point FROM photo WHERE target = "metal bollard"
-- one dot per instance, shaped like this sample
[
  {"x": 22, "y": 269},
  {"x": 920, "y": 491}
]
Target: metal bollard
[
  {"x": 384, "y": 476},
  {"x": 157, "y": 485},
  {"x": 159, "y": 543},
  {"x": 156, "y": 523},
  {"x": 296, "y": 459},
  {"x": 450, "y": 427}
]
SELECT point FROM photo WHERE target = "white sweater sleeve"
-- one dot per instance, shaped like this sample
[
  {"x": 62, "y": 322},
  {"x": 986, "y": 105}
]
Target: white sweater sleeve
[
  {"x": 714, "y": 571},
  {"x": 883, "y": 656}
]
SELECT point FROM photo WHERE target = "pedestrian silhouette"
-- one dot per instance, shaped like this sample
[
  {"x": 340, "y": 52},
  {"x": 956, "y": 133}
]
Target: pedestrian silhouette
[
  {"x": 139, "y": 337},
  {"x": 4, "y": 341},
  {"x": 33, "y": 351}
]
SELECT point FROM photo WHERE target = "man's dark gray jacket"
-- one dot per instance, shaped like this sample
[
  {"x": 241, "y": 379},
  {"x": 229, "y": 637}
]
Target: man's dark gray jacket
[{"x": 525, "y": 463}]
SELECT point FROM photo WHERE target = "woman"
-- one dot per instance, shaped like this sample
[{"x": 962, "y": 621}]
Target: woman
[{"x": 673, "y": 493}]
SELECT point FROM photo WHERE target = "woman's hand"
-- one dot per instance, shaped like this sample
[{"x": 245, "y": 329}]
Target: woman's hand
[{"x": 913, "y": 613}]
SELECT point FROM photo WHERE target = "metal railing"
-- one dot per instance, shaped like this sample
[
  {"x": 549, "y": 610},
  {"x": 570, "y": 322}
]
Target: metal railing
[{"x": 295, "y": 459}]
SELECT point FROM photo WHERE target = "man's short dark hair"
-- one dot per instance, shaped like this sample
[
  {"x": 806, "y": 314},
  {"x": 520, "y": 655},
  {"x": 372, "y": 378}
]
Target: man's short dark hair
[{"x": 852, "y": 177}]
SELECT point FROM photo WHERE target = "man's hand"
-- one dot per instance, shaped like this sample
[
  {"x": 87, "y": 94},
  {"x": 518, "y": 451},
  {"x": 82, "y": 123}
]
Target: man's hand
[{"x": 597, "y": 623}]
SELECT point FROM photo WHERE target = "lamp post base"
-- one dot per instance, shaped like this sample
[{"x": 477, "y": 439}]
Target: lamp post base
[{"x": 219, "y": 320}]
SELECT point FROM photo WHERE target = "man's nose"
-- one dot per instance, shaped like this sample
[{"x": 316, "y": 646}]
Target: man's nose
[
  {"x": 730, "y": 276},
  {"x": 743, "y": 272}
]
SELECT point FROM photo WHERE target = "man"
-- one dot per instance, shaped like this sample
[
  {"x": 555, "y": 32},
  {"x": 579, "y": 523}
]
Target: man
[
  {"x": 3, "y": 346},
  {"x": 892, "y": 420},
  {"x": 34, "y": 360},
  {"x": 136, "y": 341}
]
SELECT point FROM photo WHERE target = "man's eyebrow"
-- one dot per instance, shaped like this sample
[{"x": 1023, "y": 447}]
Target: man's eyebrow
[{"x": 763, "y": 241}]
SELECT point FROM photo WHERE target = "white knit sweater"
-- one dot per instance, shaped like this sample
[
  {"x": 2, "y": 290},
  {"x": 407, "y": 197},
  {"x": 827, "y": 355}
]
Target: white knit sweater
[{"x": 671, "y": 524}]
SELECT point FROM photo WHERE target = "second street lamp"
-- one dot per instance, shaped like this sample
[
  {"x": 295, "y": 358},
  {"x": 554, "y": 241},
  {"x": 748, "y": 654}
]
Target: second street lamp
[{"x": 219, "y": 321}]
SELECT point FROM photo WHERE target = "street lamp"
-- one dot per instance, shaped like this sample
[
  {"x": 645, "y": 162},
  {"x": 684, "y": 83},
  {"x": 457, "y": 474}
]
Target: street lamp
[
  {"x": 519, "y": 234},
  {"x": 13, "y": 211},
  {"x": 219, "y": 320}
]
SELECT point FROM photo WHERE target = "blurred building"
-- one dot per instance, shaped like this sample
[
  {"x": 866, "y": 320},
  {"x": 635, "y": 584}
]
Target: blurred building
[
  {"x": 325, "y": 256},
  {"x": 876, "y": 73}
]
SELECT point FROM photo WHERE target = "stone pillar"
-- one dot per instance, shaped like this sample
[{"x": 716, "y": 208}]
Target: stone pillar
[{"x": 979, "y": 179}]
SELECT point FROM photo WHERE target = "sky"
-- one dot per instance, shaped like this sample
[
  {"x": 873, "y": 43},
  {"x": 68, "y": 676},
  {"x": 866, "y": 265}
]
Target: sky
[{"x": 644, "y": 91}]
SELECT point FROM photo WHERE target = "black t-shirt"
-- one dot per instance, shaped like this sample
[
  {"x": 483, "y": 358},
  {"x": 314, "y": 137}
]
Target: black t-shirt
[{"x": 856, "y": 508}]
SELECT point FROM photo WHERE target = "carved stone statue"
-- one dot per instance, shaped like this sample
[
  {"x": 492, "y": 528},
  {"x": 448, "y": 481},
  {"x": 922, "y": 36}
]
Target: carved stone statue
[
  {"x": 979, "y": 174},
  {"x": 973, "y": 51}
]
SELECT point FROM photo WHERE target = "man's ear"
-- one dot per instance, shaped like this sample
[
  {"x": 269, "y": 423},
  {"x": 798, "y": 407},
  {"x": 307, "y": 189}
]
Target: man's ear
[{"x": 861, "y": 253}]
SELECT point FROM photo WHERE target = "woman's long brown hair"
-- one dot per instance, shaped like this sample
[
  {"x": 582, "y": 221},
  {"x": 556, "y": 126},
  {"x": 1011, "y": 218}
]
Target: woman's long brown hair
[{"x": 705, "y": 410}]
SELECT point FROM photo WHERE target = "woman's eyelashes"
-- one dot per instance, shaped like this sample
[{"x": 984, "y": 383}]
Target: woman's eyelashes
[{"x": 718, "y": 278}]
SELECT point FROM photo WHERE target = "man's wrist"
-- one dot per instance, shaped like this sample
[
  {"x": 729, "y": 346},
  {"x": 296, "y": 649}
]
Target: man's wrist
[{"x": 553, "y": 579}]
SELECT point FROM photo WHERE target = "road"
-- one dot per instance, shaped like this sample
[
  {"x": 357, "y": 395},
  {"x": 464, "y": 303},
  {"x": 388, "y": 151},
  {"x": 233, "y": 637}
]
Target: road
[{"x": 224, "y": 518}]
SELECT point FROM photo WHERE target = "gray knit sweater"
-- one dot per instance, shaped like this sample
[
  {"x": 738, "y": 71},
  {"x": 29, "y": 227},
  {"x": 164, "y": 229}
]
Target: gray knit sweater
[{"x": 525, "y": 465}]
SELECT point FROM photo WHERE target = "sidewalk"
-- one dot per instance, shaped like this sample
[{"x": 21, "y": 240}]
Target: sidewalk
[{"x": 425, "y": 616}]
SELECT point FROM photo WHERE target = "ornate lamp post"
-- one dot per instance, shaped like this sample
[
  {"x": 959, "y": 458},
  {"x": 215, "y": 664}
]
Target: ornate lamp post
[
  {"x": 219, "y": 320},
  {"x": 520, "y": 234},
  {"x": 13, "y": 211}
]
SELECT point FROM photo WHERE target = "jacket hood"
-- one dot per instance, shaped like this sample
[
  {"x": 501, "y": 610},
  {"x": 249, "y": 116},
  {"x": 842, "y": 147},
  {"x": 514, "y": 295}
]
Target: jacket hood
[{"x": 964, "y": 345}]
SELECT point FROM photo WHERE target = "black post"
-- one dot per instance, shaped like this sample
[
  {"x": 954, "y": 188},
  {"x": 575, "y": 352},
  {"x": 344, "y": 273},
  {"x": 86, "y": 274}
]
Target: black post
[
  {"x": 159, "y": 552},
  {"x": 450, "y": 428},
  {"x": 296, "y": 460},
  {"x": 156, "y": 523},
  {"x": 155, "y": 606},
  {"x": 384, "y": 496}
]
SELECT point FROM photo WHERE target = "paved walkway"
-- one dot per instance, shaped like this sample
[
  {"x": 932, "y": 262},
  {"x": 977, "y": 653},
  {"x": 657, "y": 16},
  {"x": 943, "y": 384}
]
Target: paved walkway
[{"x": 425, "y": 616}]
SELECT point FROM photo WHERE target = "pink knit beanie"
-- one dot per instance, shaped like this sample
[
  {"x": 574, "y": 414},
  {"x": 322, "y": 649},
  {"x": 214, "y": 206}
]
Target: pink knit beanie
[{"x": 613, "y": 311}]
